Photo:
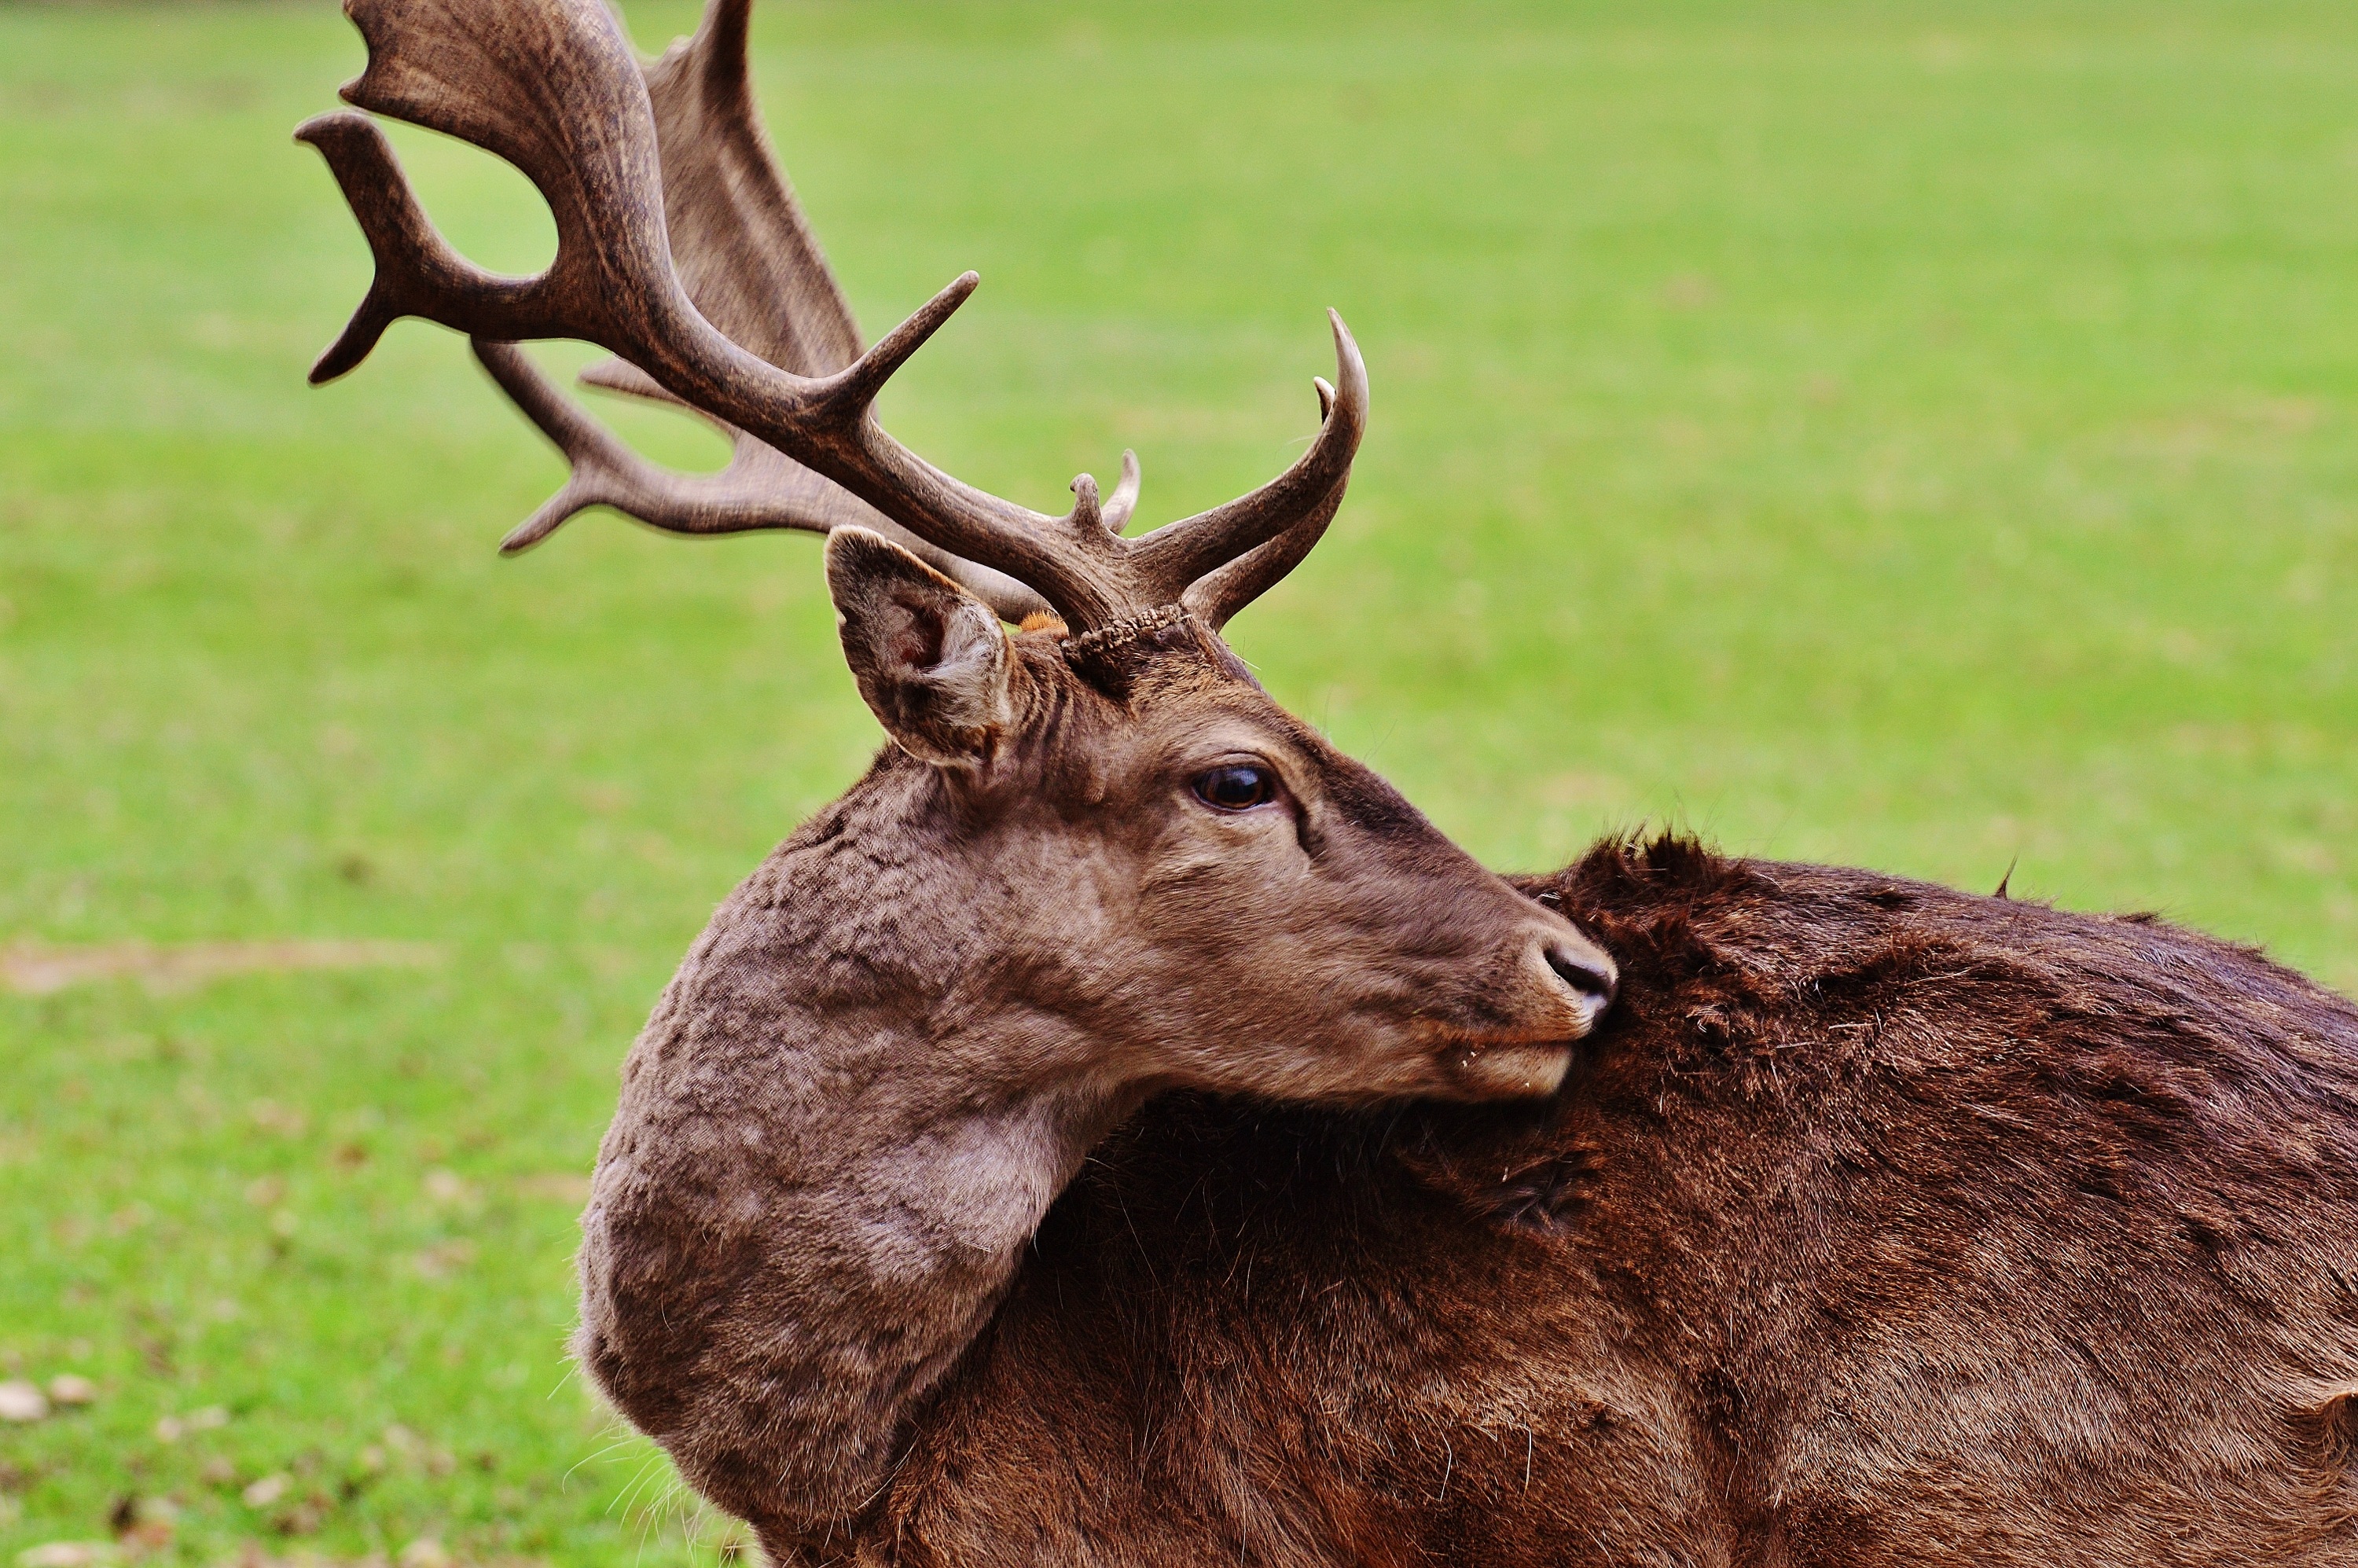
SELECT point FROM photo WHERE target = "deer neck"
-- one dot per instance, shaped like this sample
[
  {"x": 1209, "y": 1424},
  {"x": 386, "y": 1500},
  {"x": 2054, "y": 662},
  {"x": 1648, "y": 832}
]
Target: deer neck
[{"x": 835, "y": 1136}]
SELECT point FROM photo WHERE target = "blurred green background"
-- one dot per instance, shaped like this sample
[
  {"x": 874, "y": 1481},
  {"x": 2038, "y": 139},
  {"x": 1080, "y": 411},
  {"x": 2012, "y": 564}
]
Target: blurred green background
[{"x": 1915, "y": 435}]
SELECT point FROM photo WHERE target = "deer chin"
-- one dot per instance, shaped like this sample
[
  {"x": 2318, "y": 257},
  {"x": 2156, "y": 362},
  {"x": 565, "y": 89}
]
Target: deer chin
[{"x": 1506, "y": 1068}]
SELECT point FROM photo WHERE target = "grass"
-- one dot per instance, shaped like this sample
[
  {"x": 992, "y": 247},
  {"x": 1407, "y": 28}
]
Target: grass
[{"x": 1912, "y": 434}]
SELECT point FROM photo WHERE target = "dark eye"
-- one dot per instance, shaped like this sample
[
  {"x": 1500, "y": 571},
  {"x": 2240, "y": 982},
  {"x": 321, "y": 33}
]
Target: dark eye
[{"x": 1238, "y": 787}]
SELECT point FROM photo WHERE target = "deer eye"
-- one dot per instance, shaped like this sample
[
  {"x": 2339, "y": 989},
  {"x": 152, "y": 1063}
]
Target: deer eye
[{"x": 1237, "y": 787}]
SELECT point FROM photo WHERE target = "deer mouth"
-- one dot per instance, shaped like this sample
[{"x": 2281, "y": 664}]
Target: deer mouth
[{"x": 1511, "y": 1066}]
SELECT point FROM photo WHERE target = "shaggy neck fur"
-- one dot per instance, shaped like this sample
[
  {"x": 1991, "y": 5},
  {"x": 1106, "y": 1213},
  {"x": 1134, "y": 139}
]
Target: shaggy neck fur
[
  {"x": 836, "y": 1133},
  {"x": 896, "y": 1043}
]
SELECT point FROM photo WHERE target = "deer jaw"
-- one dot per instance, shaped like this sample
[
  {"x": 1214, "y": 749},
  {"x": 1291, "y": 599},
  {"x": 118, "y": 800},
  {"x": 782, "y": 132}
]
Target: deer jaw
[{"x": 898, "y": 1039}]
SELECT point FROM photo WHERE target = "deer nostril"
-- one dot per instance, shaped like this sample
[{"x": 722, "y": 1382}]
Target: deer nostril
[{"x": 1593, "y": 980}]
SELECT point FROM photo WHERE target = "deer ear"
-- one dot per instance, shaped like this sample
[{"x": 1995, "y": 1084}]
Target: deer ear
[{"x": 929, "y": 656}]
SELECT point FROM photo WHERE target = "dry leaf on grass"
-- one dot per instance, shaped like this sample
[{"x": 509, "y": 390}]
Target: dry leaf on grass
[
  {"x": 304, "y": 1519},
  {"x": 267, "y": 1490},
  {"x": 172, "y": 1427},
  {"x": 66, "y": 1555},
  {"x": 66, "y": 1388},
  {"x": 149, "y": 1528},
  {"x": 38, "y": 968},
  {"x": 22, "y": 1401}
]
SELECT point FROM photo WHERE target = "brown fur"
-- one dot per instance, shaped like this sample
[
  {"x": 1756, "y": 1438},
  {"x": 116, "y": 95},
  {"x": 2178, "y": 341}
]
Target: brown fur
[
  {"x": 1879, "y": 1223},
  {"x": 898, "y": 1040}
]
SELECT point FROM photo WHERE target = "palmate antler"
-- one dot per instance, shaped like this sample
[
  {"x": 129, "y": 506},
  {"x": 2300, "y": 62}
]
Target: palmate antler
[
  {"x": 680, "y": 250},
  {"x": 753, "y": 269}
]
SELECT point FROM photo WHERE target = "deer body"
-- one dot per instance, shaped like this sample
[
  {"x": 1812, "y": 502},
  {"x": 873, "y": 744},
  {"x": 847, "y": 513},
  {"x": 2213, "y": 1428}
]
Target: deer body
[
  {"x": 1043, "y": 1156},
  {"x": 1878, "y": 1225}
]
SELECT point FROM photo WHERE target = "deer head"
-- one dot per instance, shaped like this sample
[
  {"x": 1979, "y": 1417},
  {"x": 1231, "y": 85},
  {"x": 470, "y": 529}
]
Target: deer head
[{"x": 1107, "y": 800}]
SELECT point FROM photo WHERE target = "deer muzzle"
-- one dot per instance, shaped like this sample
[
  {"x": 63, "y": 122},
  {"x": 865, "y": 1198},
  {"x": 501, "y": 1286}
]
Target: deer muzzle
[{"x": 1553, "y": 994}]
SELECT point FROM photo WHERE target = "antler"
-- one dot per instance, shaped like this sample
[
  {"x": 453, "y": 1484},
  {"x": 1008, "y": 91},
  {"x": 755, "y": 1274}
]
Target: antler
[
  {"x": 761, "y": 487},
  {"x": 751, "y": 267},
  {"x": 552, "y": 86}
]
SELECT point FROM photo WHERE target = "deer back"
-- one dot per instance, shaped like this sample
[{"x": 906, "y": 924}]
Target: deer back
[{"x": 1879, "y": 1223}]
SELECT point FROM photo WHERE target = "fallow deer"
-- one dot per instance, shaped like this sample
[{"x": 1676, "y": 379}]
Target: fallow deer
[{"x": 1873, "y": 1223}]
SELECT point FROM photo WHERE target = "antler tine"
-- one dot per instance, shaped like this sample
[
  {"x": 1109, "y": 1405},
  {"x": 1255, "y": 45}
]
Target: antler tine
[
  {"x": 604, "y": 472},
  {"x": 1124, "y": 499},
  {"x": 759, "y": 490},
  {"x": 608, "y": 472},
  {"x": 745, "y": 252},
  {"x": 417, "y": 272},
  {"x": 1178, "y": 555},
  {"x": 1216, "y": 598}
]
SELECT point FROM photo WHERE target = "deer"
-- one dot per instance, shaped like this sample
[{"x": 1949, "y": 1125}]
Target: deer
[{"x": 1121, "y": 1130}]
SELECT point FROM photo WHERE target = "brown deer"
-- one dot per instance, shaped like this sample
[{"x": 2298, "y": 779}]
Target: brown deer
[{"x": 1873, "y": 1223}]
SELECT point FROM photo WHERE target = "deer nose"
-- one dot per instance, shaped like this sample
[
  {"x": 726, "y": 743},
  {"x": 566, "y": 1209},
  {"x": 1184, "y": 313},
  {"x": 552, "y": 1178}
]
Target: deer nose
[{"x": 1590, "y": 974}]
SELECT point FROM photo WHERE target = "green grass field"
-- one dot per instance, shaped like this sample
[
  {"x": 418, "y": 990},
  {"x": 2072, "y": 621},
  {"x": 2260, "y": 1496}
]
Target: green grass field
[{"x": 1912, "y": 434}]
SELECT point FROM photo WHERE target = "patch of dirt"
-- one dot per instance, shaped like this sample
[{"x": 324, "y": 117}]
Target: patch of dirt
[{"x": 37, "y": 969}]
